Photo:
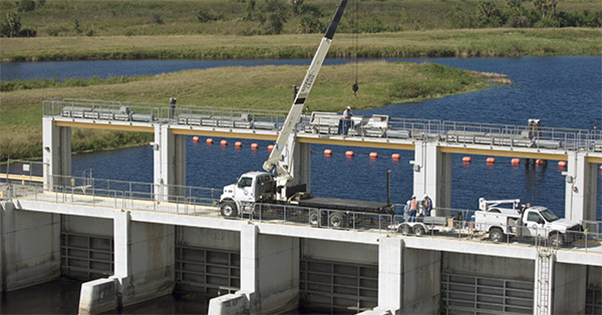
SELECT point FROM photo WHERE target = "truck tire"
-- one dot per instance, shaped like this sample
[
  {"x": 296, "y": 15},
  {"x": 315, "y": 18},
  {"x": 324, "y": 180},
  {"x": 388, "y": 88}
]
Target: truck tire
[
  {"x": 336, "y": 220},
  {"x": 405, "y": 229},
  {"x": 496, "y": 235},
  {"x": 314, "y": 218},
  {"x": 419, "y": 230},
  {"x": 228, "y": 209},
  {"x": 556, "y": 240}
]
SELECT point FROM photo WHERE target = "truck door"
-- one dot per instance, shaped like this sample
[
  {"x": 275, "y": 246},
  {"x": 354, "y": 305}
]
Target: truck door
[
  {"x": 534, "y": 224},
  {"x": 244, "y": 189}
]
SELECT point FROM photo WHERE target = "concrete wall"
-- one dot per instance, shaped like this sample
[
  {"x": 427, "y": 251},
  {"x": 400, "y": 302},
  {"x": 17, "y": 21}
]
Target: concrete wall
[
  {"x": 421, "y": 267},
  {"x": 30, "y": 247},
  {"x": 209, "y": 238},
  {"x": 594, "y": 276},
  {"x": 340, "y": 251},
  {"x": 87, "y": 225},
  {"x": 508, "y": 268},
  {"x": 569, "y": 283}
]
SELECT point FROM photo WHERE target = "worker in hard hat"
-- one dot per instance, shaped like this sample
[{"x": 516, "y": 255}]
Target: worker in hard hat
[
  {"x": 347, "y": 120},
  {"x": 428, "y": 205}
]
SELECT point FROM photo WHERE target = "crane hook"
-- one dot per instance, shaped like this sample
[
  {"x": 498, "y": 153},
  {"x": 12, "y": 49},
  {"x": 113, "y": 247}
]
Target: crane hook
[{"x": 355, "y": 88}]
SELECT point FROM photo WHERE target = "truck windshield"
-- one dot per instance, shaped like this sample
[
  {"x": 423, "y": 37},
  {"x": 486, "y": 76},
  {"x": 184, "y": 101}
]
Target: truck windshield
[
  {"x": 245, "y": 182},
  {"x": 549, "y": 215}
]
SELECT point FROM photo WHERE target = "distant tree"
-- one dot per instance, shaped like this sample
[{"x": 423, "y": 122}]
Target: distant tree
[
  {"x": 274, "y": 13},
  {"x": 11, "y": 25},
  {"x": 545, "y": 7},
  {"x": 41, "y": 3},
  {"x": 77, "y": 27},
  {"x": 296, "y": 6},
  {"x": 205, "y": 17},
  {"x": 250, "y": 10}
]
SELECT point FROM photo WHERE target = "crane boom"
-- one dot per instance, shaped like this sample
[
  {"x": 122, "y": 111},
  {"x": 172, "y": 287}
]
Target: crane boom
[{"x": 284, "y": 138}]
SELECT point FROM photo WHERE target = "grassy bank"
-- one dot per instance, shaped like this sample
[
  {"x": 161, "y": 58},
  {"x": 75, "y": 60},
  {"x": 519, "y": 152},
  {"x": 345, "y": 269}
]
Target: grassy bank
[
  {"x": 435, "y": 43},
  {"x": 267, "y": 87}
]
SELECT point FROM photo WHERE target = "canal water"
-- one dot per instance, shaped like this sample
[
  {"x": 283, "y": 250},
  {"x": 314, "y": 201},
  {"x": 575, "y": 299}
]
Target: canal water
[{"x": 561, "y": 91}]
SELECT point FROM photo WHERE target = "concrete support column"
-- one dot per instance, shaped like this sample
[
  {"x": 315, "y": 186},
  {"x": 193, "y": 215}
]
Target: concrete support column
[
  {"x": 30, "y": 248},
  {"x": 269, "y": 275},
  {"x": 56, "y": 154},
  {"x": 559, "y": 288},
  {"x": 399, "y": 269},
  {"x": 390, "y": 274},
  {"x": 581, "y": 188},
  {"x": 432, "y": 174},
  {"x": 301, "y": 168},
  {"x": 144, "y": 266},
  {"x": 169, "y": 163}
]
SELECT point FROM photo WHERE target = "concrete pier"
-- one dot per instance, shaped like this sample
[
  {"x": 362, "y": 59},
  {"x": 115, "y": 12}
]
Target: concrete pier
[
  {"x": 432, "y": 174},
  {"x": 56, "y": 153},
  {"x": 581, "y": 187}
]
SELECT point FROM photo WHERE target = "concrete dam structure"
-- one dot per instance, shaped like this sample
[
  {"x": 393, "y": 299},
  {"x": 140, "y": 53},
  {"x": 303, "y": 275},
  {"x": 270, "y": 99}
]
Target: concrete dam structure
[{"x": 134, "y": 242}]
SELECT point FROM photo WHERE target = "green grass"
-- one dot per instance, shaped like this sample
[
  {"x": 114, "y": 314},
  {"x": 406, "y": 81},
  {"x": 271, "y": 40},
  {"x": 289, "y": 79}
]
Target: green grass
[
  {"x": 435, "y": 43},
  {"x": 136, "y": 17},
  {"x": 267, "y": 87}
]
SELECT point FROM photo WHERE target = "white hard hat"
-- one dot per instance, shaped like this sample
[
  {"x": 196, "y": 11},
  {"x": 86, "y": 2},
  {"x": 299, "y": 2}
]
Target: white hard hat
[
  {"x": 413, "y": 196},
  {"x": 348, "y": 107},
  {"x": 425, "y": 195}
]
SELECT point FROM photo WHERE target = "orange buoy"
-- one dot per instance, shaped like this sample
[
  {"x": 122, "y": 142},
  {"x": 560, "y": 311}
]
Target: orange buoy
[
  {"x": 490, "y": 160},
  {"x": 224, "y": 142},
  {"x": 466, "y": 159},
  {"x": 540, "y": 162},
  {"x": 270, "y": 147},
  {"x": 209, "y": 141},
  {"x": 373, "y": 155},
  {"x": 328, "y": 152},
  {"x": 515, "y": 162},
  {"x": 254, "y": 146},
  {"x": 349, "y": 153},
  {"x": 561, "y": 163},
  {"x": 395, "y": 156},
  {"x": 195, "y": 139},
  {"x": 238, "y": 144}
]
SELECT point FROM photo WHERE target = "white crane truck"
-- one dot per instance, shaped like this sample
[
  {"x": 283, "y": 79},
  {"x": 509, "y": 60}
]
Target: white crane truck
[{"x": 256, "y": 188}]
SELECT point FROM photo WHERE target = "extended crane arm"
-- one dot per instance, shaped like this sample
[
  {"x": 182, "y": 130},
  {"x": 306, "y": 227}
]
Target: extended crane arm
[{"x": 297, "y": 108}]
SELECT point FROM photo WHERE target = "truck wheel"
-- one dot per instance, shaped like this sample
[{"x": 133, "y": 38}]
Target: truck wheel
[
  {"x": 229, "y": 210},
  {"x": 419, "y": 230},
  {"x": 336, "y": 220},
  {"x": 314, "y": 218},
  {"x": 496, "y": 235},
  {"x": 405, "y": 229},
  {"x": 556, "y": 240}
]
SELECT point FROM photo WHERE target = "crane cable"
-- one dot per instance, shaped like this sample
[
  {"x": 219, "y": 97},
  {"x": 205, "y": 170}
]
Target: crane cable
[{"x": 355, "y": 87}]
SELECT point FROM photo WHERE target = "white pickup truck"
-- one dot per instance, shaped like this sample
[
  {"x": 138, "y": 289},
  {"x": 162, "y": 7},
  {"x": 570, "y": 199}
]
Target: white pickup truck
[{"x": 528, "y": 222}]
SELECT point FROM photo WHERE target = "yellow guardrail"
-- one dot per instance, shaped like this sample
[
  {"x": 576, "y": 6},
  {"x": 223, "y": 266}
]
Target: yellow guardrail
[{"x": 22, "y": 177}]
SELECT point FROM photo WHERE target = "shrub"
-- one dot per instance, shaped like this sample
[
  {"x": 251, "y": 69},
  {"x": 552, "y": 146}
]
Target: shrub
[
  {"x": 155, "y": 19},
  {"x": 205, "y": 17},
  {"x": 26, "y": 6}
]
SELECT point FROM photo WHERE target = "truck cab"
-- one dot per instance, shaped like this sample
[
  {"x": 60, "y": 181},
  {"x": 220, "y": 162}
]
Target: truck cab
[
  {"x": 541, "y": 222},
  {"x": 250, "y": 188}
]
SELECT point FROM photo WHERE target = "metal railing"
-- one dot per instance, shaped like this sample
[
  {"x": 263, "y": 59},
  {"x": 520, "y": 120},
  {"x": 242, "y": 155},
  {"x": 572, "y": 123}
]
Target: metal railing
[
  {"x": 500, "y": 135},
  {"x": 198, "y": 201}
]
